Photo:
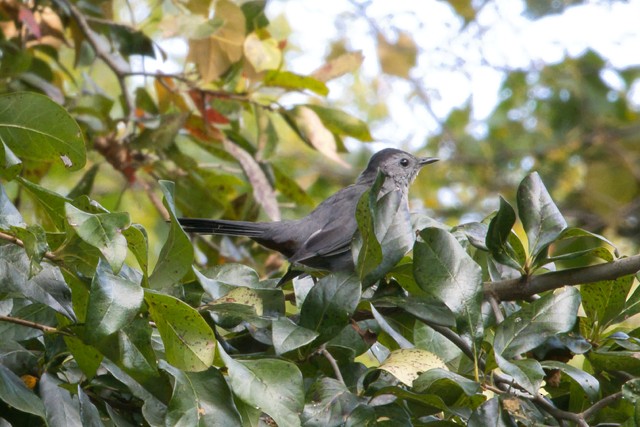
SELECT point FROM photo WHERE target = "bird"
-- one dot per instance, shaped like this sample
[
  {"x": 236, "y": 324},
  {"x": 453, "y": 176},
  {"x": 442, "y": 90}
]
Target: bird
[{"x": 322, "y": 239}]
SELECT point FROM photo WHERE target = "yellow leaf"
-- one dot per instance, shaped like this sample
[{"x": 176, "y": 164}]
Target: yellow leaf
[
  {"x": 397, "y": 59},
  {"x": 213, "y": 55},
  {"x": 262, "y": 54},
  {"x": 317, "y": 134},
  {"x": 407, "y": 364},
  {"x": 341, "y": 65}
]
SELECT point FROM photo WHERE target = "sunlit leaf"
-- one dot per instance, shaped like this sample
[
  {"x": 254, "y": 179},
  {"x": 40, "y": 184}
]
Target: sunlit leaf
[
  {"x": 407, "y": 364},
  {"x": 189, "y": 342},
  {"x": 540, "y": 216},
  {"x": 36, "y": 128},
  {"x": 292, "y": 81},
  {"x": 342, "y": 123},
  {"x": 262, "y": 54},
  {"x": 336, "y": 67}
]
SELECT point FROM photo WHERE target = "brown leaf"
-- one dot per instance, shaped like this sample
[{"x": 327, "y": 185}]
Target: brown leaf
[
  {"x": 262, "y": 189},
  {"x": 213, "y": 55},
  {"x": 339, "y": 66},
  {"x": 397, "y": 59},
  {"x": 317, "y": 134}
]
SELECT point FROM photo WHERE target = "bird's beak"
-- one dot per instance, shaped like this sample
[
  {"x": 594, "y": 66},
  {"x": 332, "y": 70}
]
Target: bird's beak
[{"x": 423, "y": 161}]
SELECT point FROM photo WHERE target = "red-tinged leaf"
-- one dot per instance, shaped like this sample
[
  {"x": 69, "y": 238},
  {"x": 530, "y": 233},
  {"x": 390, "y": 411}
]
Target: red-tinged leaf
[
  {"x": 26, "y": 17},
  {"x": 214, "y": 116}
]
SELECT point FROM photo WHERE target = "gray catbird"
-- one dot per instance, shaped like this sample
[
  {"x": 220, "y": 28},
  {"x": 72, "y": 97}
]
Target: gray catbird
[{"x": 323, "y": 238}]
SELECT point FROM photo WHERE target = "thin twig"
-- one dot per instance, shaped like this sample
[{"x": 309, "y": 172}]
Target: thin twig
[
  {"x": 334, "y": 364},
  {"x": 106, "y": 56},
  {"x": 155, "y": 201},
  {"x": 596, "y": 407},
  {"x": 30, "y": 324},
  {"x": 13, "y": 239},
  {"x": 495, "y": 306}
]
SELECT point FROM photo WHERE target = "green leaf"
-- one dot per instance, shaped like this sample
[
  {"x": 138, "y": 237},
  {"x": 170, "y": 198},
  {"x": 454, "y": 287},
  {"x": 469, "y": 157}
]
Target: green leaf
[
  {"x": 14, "y": 393},
  {"x": 200, "y": 399},
  {"x": 153, "y": 410},
  {"x": 10, "y": 164},
  {"x": 189, "y": 342},
  {"x": 86, "y": 356},
  {"x": 443, "y": 269},
  {"x": 604, "y": 301},
  {"x": 402, "y": 342},
  {"x": 34, "y": 240},
  {"x": 85, "y": 185},
  {"x": 586, "y": 381},
  {"x": 540, "y": 217},
  {"x": 9, "y": 215},
  {"x": 288, "y": 336},
  {"x": 341, "y": 123},
  {"x": 62, "y": 409},
  {"x": 611, "y": 361},
  {"x": 331, "y": 402},
  {"x": 36, "y": 128},
  {"x": 176, "y": 254},
  {"x": 526, "y": 372},
  {"x": 289, "y": 80},
  {"x": 52, "y": 203},
  {"x": 385, "y": 232},
  {"x": 275, "y": 386},
  {"x": 430, "y": 310},
  {"x": 327, "y": 307},
  {"x": 490, "y": 413},
  {"x": 526, "y": 329},
  {"x": 47, "y": 286},
  {"x": 433, "y": 380},
  {"x": 114, "y": 302},
  {"x": 407, "y": 364},
  {"x": 138, "y": 244},
  {"x": 102, "y": 231},
  {"x": 366, "y": 245},
  {"x": 499, "y": 233},
  {"x": 631, "y": 390},
  {"x": 89, "y": 415}
]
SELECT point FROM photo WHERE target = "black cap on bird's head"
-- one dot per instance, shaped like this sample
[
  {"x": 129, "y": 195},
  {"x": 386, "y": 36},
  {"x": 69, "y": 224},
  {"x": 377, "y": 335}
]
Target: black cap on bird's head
[{"x": 396, "y": 164}]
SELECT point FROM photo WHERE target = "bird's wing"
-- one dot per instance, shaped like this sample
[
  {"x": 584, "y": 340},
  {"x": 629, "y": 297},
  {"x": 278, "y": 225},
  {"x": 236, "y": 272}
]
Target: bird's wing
[{"x": 335, "y": 224}]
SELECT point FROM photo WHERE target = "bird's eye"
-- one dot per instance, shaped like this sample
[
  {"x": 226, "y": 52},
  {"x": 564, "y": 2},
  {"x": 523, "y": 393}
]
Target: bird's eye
[{"x": 404, "y": 163}]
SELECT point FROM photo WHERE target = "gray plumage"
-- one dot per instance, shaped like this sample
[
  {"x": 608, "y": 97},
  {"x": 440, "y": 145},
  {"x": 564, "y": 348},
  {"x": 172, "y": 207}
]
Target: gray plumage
[{"x": 323, "y": 238}]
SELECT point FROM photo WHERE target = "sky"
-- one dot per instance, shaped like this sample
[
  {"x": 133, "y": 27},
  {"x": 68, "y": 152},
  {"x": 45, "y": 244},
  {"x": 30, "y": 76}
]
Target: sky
[{"x": 456, "y": 66}]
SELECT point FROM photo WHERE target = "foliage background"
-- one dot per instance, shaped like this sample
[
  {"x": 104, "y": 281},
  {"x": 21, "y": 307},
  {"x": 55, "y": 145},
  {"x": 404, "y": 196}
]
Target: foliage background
[{"x": 243, "y": 135}]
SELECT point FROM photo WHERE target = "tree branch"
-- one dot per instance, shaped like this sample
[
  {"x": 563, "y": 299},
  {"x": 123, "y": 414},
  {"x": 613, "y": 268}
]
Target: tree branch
[
  {"x": 596, "y": 407},
  {"x": 119, "y": 68},
  {"x": 334, "y": 364},
  {"x": 30, "y": 324},
  {"x": 526, "y": 286}
]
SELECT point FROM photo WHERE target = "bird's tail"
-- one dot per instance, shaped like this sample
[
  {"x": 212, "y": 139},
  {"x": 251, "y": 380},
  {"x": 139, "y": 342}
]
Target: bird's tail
[{"x": 221, "y": 226}]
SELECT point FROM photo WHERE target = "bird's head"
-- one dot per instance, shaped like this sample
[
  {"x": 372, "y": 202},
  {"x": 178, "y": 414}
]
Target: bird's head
[{"x": 396, "y": 164}]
